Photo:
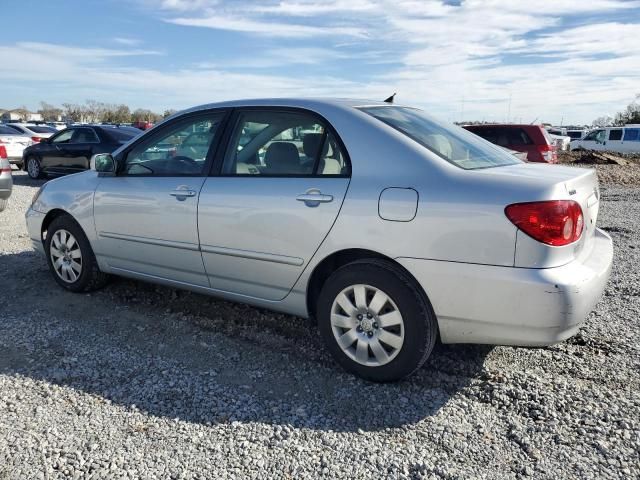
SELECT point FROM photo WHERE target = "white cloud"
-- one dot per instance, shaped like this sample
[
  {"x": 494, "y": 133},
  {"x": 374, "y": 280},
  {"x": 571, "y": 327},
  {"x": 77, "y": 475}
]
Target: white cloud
[
  {"x": 130, "y": 42},
  {"x": 272, "y": 29}
]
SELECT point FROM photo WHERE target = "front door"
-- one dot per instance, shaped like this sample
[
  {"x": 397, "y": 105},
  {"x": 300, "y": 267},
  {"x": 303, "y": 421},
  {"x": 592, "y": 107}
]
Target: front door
[
  {"x": 275, "y": 199},
  {"x": 146, "y": 216},
  {"x": 52, "y": 151}
]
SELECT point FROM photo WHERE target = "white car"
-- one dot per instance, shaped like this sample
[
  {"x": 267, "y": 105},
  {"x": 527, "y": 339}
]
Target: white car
[
  {"x": 611, "y": 139},
  {"x": 36, "y": 132},
  {"x": 14, "y": 144},
  {"x": 562, "y": 142}
]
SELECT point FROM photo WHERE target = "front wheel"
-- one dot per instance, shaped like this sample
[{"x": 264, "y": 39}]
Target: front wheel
[
  {"x": 375, "y": 321},
  {"x": 70, "y": 257},
  {"x": 33, "y": 168}
]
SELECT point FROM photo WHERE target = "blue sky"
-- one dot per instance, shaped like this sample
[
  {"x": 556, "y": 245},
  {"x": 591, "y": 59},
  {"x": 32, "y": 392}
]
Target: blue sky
[{"x": 498, "y": 60}]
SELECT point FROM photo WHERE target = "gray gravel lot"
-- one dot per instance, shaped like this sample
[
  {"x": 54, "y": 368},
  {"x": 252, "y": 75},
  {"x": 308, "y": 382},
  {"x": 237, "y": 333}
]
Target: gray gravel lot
[{"x": 140, "y": 381}]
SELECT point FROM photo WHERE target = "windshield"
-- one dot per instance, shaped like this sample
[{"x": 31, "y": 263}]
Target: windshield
[{"x": 453, "y": 144}]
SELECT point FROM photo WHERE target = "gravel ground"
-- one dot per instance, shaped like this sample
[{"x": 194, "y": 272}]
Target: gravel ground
[{"x": 139, "y": 381}]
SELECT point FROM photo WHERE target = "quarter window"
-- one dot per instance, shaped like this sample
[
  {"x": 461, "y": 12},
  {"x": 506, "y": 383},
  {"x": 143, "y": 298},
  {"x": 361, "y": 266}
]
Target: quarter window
[
  {"x": 273, "y": 143},
  {"x": 179, "y": 149},
  {"x": 615, "y": 134}
]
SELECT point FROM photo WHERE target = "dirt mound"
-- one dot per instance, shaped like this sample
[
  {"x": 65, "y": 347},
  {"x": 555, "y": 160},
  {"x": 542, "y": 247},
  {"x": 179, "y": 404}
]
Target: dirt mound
[{"x": 591, "y": 157}]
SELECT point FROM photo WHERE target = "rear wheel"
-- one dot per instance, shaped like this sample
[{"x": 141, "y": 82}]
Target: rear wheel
[
  {"x": 33, "y": 168},
  {"x": 375, "y": 321},
  {"x": 70, "y": 257}
]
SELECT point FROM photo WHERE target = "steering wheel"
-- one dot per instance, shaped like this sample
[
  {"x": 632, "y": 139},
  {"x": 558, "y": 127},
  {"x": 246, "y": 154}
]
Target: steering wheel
[{"x": 188, "y": 161}]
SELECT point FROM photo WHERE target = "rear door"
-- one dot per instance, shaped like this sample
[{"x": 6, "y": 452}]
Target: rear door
[
  {"x": 146, "y": 215},
  {"x": 272, "y": 200}
]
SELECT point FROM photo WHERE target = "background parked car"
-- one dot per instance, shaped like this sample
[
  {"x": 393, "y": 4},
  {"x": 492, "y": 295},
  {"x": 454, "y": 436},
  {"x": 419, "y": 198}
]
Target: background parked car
[
  {"x": 6, "y": 181},
  {"x": 573, "y": 133},
  {"x": 13, "y": 144},
  {"x": 562, "y": 142},
  {"x": 612, "y": 139},
  {"x": 530, "y": 139},
  {"x": 36, "y": 132},
  {"x": 70, "y": 150}
]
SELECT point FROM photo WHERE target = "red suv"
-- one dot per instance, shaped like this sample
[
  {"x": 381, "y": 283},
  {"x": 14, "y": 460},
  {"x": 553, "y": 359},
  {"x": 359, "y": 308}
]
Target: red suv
[{"x": 530, "y": 139}]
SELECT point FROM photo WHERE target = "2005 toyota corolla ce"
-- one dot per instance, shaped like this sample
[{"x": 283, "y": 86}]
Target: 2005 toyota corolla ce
[{"x": 388, "y": 227}]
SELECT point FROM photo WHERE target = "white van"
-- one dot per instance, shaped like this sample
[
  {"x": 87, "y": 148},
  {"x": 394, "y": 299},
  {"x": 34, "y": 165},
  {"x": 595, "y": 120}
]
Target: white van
[{"x": 612, "y": 139}]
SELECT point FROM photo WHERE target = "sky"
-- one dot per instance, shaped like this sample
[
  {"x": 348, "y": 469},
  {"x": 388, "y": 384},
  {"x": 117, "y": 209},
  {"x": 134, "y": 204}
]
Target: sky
[{"x": 495, "y": 60}]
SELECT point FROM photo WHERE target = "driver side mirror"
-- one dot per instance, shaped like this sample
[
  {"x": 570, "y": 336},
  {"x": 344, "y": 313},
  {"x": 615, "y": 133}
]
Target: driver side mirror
[{"x": 104, "y": 164}]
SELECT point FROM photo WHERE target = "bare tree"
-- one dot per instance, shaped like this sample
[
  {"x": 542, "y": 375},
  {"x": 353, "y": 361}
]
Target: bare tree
[
  {"x": 73, "y": 112},
  {"x": 23, "y": 113},
  {"x": 50, "y": 113},
  {"x": 168, "y": 112}
]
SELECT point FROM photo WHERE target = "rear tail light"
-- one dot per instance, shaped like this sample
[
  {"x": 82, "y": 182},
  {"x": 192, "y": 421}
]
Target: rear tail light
[
  {"x": 3, "y": 151},
  {"x": 554, "y": 222},
  {"x": 549, "y": 153},
  {"x": 36, "y": 139}
]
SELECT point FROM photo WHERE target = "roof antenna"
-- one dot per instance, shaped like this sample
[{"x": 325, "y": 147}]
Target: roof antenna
[{"x": 390, "y": 99}]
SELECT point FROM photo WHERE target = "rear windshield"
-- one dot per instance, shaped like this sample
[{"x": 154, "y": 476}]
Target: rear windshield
[
  {"x": 452, "y": 143},
  {"x": 7, "y": 131},
  {"x": 503, "y": 136},
  {"x": 38, "y": 129},
  {"x": 122, "y": 134}
]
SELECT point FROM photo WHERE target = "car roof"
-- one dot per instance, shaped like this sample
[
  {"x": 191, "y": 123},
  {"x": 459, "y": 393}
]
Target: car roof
[
  {"x": 504, "y": 125},
  {"x": 309, "y": 103}
]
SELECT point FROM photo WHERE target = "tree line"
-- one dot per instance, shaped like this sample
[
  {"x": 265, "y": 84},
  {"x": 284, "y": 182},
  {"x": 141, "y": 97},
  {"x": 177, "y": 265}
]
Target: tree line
[
  {"x": 631, "y": 114},
  {"x": 92, "y": 111}
]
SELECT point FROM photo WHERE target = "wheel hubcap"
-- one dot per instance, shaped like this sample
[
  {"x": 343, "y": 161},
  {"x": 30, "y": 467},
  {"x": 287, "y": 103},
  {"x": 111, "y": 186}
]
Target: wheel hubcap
[
  {"x": 66, "y": 256},
  {"x": 367, "y": 325},
  {"x": 33, "y": 167}
]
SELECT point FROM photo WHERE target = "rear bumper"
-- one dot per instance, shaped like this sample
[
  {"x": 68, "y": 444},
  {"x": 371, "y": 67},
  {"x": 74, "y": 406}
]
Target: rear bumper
[
  {"x": 34, "y": 227},
  {"x": 514, "y": 306}
]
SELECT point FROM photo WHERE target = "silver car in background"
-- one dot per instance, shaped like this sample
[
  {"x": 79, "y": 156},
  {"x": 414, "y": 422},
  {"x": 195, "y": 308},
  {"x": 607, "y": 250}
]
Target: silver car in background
[
  {"x": 388, "y": 227},
  {"x": 14, "y": 143},
  {"x": 6, "y": 181}
]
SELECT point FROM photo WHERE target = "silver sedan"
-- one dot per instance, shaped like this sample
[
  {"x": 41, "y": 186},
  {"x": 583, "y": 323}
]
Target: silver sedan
[{"x": 389, "y": 228}]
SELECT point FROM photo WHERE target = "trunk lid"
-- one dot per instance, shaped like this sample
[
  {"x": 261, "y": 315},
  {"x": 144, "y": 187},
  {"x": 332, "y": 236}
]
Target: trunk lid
[{"x": 538, "y": 182}]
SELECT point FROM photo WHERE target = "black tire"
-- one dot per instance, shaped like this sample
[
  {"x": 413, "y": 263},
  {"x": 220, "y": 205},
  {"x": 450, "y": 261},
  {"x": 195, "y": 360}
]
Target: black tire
[
  {"x": 420, "y": 324},
  {"x": 90, "y": 278},
  {"x": 36, "y": 171}
]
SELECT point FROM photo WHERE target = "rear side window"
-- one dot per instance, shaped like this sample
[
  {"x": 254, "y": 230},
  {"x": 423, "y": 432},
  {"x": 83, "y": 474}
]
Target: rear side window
[
  {"x": 85, "y": 135},
  {"x": 38, "y": 129},
  {"x": 283, "y": 143},
  {"x": 615, "y": 134},
  {"x": 632, "y": 134},
  {"x": 7, "y": 131},
  {"x": 452, "y": 143}
]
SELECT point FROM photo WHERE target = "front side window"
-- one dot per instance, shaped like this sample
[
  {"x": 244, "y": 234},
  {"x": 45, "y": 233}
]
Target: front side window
[
  {"x": 274, "y": 143},
  {"x": 454, "y": 144},
  {"x": 615, "y": 134},
  {"x": 180, "y": 148},
  {"x": 63, "y": 137},
  {"x": 596, "y": 136}
]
